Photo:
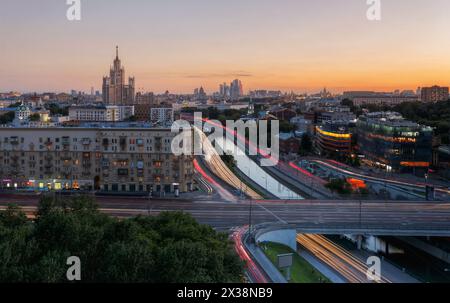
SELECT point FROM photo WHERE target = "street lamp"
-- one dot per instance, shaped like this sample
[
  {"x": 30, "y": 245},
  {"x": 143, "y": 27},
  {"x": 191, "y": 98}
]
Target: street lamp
[
  {"x": 250, "y": 226},
  {"x": 149, "y": 196}
]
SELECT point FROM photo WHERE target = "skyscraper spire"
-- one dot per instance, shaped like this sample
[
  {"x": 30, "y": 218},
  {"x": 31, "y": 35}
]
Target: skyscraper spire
[{"x": 117, "y": 52}]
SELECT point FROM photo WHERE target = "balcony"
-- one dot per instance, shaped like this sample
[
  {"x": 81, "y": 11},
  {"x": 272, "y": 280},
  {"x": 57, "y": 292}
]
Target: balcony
[
  {"x": 66, "y": 170},
  {"x": 123, "y": 144},
  {"x": 65, "y": 141},
  {"x": 86, "y": 141},
  {"x": 87, "y": 165},
  {"x": 157, "y": 164},
  {"x": 123, "y": 172},
  {"x": 14, "y": 140},
  {"x": 105, "y": 164},
  {"x": 66, "y": 157},
  {"x": 158, "y": 144}
]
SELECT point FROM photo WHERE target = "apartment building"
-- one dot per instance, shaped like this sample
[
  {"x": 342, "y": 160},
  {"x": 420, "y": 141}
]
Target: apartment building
[
  {"x": 122, "y": 158},
  {"x": 434, "y": 94},
  {"x": 164, "y": 116},
  {"x": 109, "y": 113}
]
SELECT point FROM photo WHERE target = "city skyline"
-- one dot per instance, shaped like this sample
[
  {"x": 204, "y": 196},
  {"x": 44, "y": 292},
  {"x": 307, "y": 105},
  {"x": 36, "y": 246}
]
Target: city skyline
[{"x": 177, "y": 46}]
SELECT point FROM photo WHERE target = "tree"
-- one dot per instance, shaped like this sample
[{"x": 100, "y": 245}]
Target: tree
[
  {"x": 286, "y": 127},
  {"x": 306, "y": 144},
  {"x": 7, "y": 118},
  {"x": 15, "y": 105},
  {"x": 213, "y": 113},
  {"x": 131, "y": 119},
  {"x": 55, "y": 109},
  {"x": 34, "y": 117},
  {"x": 347, "y": 102},
  {"x": 341, "y": 186},
  {"x": 171, "y": 247}
]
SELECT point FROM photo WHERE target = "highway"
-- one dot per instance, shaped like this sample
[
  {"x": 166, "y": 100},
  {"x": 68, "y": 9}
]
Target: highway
[
  {"x": 349, "y": 267},
  {"x": 254, "y": 272},
  {"x": 342, "y": 169},
  {"x": 212, "y": 184},
  {"x": 312, "y": 216},
  {"x": 221, "y": 170}
]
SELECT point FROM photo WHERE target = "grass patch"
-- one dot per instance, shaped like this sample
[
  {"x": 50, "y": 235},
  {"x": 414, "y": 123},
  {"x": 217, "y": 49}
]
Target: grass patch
[{"x": 301, "y": 271}]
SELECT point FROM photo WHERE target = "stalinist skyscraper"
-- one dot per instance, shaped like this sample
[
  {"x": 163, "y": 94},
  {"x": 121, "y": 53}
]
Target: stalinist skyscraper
[{"x": 115, "y": 91}]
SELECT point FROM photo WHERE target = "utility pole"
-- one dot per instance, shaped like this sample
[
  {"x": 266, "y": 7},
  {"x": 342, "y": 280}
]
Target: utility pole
[
  {"x": 250, "y": 228},
  {"x": 148, "y": 200}
]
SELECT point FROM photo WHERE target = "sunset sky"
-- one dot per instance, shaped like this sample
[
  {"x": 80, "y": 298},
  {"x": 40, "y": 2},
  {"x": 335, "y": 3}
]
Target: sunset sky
[{"x": 178, "y": 45}]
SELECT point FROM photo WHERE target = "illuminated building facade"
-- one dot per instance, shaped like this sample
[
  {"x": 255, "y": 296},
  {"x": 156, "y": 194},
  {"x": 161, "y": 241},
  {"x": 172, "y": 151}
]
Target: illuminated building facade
[
  {"x": 125, "y": 158},
  {"x": 333, "y": 140},
  {"x": 389, "y": 141}
]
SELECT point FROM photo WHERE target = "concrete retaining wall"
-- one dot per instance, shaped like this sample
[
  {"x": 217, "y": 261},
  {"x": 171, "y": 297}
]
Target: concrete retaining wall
[{"x": 286, "y": 237}]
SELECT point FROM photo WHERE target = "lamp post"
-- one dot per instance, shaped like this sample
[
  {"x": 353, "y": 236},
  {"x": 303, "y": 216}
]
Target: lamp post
[{"x": 149, "y": 196}]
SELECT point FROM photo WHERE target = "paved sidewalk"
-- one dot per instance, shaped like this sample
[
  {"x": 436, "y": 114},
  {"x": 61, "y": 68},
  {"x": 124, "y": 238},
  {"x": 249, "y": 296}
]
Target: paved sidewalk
[{"x": 264, "y": 262}]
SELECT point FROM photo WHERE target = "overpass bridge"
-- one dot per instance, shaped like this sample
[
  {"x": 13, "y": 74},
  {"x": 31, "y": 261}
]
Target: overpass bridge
[
  {"x": 308, "y": 216},
  {"x": 375, "y": 218}
]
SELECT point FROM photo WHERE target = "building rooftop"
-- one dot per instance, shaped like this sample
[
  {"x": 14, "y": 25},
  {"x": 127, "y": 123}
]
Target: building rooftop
[
  {"x": 8, "y": 109},
  {"x": 393, "y": 119},
  {"x": 93, "y": 125},
  {"x": 445, "y": 149},
  {"x": 286, "y": 136}
]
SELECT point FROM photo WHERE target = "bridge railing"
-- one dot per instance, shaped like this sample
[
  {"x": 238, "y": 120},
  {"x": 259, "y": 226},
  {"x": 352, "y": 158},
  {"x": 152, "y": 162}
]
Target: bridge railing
[{"x": 356, "y": 228}]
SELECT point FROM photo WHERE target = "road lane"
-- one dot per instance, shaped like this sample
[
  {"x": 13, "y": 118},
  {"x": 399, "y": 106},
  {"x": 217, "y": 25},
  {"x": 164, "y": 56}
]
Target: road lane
[
  {"x": 348, "y": 266},
  {"x": 306, "y": 213}
]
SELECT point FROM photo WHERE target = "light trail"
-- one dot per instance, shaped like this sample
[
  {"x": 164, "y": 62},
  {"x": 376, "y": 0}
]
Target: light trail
[
  {"x": 307, "y": 173},
  {"x": 350, "y": 267},
  {"x": 282, "y": 166},
  {"x": 390, "y": 181},
  {"x": 254, "y": 271},
  {"x": 221, "y": 170},
  {"x": 222, "y": 191}
]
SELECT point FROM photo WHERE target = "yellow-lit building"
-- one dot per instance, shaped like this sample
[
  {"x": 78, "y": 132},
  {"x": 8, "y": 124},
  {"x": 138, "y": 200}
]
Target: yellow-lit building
[{"x": 333, "y": 140}]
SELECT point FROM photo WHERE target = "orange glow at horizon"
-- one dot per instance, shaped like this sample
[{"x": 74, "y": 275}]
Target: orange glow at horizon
[{"x": 176, "y": 45}]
